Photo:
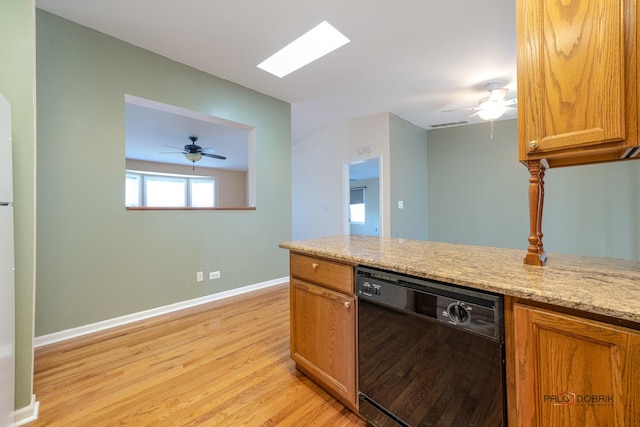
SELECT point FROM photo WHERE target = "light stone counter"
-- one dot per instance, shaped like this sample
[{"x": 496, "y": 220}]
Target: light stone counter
[{"x": 598, "y": 285}]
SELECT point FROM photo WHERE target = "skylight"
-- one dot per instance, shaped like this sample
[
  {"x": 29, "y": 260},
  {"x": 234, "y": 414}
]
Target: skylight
[{"x": 312, "y": 45}]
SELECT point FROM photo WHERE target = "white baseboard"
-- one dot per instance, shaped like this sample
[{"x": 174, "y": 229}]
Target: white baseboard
[
  {"x": 130, "y": 318},
  {"x": 27, "y": 414}
]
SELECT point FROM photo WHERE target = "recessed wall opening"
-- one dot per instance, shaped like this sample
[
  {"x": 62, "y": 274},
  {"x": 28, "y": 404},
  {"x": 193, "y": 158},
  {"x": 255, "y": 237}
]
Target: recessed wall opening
[{"x": 183, "y": 146}]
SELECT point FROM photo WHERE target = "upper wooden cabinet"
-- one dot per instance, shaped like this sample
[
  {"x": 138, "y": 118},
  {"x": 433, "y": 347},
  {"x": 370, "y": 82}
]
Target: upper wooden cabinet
[
  {"x": 577, "y": 80},
  {"x": 577, "y": 91}
]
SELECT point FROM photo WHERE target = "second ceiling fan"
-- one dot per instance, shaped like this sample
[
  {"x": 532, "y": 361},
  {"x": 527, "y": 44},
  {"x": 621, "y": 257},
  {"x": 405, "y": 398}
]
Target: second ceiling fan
[{"x": 493, "y": 106}]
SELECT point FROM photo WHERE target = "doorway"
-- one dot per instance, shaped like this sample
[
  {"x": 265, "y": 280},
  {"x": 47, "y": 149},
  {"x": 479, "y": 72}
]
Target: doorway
[{"x": 364, "y": 197}]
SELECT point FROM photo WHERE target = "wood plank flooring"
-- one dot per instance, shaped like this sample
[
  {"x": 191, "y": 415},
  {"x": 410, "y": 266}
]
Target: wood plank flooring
[{"x": 225, "y": 363}]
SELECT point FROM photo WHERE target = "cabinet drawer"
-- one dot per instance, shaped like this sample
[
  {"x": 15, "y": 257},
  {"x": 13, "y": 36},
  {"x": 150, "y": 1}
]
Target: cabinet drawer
[{"x": 332, "y": 275}]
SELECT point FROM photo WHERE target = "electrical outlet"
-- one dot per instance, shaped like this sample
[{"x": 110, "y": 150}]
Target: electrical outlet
[
  {"x": 199, "y": 276},
  {"x": 214, "y": 275}
]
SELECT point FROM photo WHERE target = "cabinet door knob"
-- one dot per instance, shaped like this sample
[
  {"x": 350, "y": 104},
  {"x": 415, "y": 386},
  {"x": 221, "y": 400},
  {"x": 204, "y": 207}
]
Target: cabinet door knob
[
  {"x": 347, "y": 304},
  {"x": 315, "y": 265},
  {"x": 534, "y": 145}
]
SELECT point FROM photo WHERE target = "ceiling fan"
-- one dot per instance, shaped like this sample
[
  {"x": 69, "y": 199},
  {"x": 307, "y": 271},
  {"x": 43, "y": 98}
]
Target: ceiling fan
[
  {"x": 195, "y": 152},
  {"x": 493, "y": 106}
]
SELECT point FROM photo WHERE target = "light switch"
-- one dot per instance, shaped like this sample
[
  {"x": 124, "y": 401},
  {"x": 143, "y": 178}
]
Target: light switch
[{"x": 400, "y": 204}]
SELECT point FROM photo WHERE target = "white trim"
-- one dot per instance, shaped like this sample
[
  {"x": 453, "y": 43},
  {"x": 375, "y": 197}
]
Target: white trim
[
  {"x": 27, "y": 414},
  {"x": 134, "y": 317}
]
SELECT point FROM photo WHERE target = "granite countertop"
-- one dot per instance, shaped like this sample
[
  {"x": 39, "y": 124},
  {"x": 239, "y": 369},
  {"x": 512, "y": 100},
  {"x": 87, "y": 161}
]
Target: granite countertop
[{"x": 604, "y": 286}]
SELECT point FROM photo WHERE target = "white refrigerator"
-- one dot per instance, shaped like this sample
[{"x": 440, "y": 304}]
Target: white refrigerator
[{"x": 7, "y": 270}]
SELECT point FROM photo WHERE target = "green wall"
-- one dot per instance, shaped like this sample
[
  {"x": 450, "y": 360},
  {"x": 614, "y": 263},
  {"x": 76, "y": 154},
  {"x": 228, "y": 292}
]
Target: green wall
[
  {"x": 478, "y": 194},
  {"x": 96, "y": 261},
  {"x": 593, "y": 210},
  {"x": 17, "y": 79},
  {"x": 408, "y": 165}
]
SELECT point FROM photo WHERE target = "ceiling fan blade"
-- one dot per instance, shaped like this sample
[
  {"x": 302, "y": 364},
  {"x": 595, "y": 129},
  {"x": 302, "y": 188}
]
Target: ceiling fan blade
[
  {"x": 171, "y": 146},
  {"x": 460, "y": 109},
  {"x": 214, "y": 156},
  {"x": 171, "y": 152},
  {"x": 510, "y": 102}
]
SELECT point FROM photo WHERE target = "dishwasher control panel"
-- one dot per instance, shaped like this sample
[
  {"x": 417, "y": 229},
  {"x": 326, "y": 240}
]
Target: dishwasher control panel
[
  {"x": 471, "y": 310},
  {"x": 371, "y": 288}
]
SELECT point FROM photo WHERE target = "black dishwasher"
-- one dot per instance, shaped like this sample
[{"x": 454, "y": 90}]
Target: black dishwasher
[{"x": 429, "y": 353}]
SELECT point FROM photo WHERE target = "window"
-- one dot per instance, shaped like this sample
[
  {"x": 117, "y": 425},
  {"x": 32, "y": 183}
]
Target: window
[
  {"x": 163, "y": 192},
  {"x": 169, "y": 191},
  {"x": 357, "y": 205},
  {"x": 133, "y": 190},
  {"x": 202, "y": 193}
]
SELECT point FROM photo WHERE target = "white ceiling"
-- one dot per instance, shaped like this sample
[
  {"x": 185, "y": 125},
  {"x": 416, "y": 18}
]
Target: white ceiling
[{"x": 414, "y": 58}]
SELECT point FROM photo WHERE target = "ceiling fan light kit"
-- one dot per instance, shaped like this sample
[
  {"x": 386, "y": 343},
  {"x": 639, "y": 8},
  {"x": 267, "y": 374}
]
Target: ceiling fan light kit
[
  {"x": 491, "y": 109},
  {"x": 193, "y": 157}
]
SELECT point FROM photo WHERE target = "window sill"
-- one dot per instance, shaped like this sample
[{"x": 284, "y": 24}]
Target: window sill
[{"x": 130, "y": 208}]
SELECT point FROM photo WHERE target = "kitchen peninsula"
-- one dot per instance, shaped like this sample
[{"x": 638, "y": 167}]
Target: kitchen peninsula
[{"x": 571, "y": 327}]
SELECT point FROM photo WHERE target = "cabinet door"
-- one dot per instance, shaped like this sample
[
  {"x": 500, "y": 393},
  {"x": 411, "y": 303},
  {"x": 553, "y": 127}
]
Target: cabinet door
[
  {"x": 323, "y": 337},
  {"x": 571, "y": 75},
  {"x": 574, "y": 372}
]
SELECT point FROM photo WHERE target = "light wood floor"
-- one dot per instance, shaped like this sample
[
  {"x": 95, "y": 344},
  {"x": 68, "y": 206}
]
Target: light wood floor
[{"x": 225, "y": 363}]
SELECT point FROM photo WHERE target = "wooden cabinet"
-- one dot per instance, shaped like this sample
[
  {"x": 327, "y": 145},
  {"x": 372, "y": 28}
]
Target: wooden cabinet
[
  {"x": 577, "y": 85},
  {"x": 323, "y": 325},
  {"x": 570, "y": 371},
  {"x": 577, "y": 90}
]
